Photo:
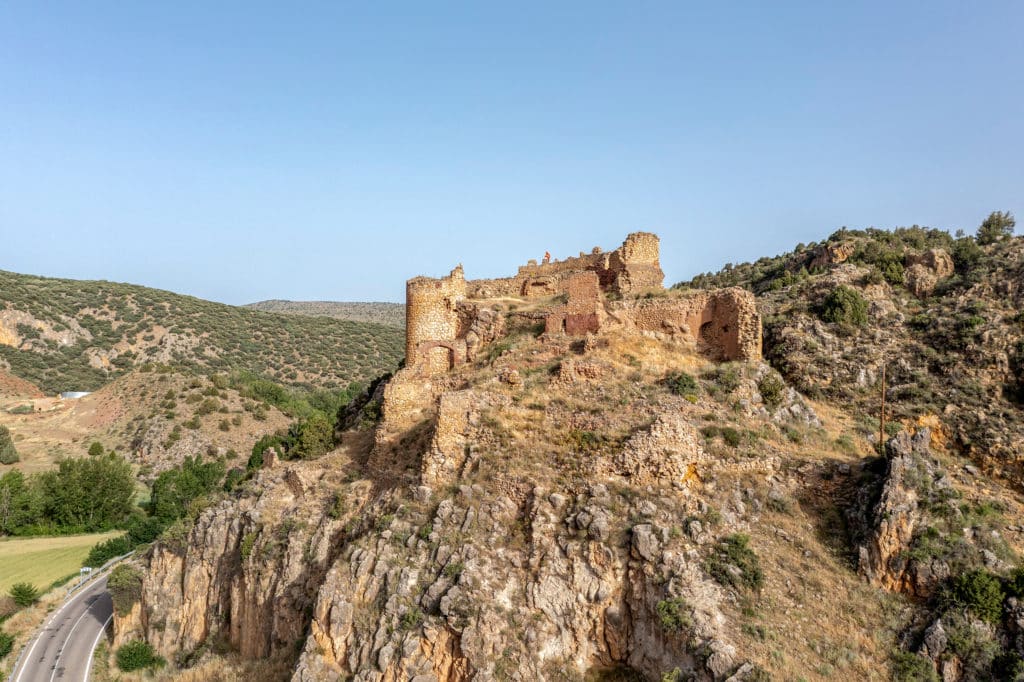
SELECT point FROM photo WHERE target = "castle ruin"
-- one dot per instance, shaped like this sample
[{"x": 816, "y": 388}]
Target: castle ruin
[{"x": 449, "y": 319}]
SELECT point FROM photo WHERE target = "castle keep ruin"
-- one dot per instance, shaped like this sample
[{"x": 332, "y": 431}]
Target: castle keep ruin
[{"x": 449, "y": 319}]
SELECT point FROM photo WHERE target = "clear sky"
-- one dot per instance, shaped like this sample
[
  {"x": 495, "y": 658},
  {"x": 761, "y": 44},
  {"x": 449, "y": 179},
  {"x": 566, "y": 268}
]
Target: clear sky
[{"x": 248, "y": 150}]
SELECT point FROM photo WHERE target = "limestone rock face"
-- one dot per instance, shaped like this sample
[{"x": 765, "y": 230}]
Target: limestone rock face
[
  {"x": 924, "y": 270},
  {"x": 892, "y": 520},
  {"x": 246, "y": 571},
  {"x": 575, "y": 599},
  {"x": 831, "y": 254},
  {"x": 936, "y": 260}
]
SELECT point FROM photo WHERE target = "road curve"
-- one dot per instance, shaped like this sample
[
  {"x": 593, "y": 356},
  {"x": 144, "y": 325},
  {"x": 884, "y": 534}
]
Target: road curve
[{"x": 62, "y": 650}]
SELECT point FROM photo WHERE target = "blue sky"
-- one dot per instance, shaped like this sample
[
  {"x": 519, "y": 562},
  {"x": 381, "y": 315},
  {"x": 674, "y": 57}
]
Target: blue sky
[{"x": 247, "y": 150}]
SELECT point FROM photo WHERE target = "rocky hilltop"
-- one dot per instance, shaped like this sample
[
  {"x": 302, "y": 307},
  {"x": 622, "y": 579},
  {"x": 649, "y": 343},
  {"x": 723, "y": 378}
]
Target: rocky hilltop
[{"x": 579, "y": 475}]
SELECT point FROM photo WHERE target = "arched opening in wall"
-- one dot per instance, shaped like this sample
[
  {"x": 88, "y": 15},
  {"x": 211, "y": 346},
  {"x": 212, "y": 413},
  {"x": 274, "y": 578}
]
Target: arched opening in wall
[{"x": 710, "y": 341}]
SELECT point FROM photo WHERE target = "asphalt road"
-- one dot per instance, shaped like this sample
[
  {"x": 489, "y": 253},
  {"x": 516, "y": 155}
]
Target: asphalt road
[{"x": 62, "y": 651}]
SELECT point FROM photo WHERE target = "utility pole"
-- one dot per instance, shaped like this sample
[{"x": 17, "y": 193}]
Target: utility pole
[{"x": 881, "y": 414}]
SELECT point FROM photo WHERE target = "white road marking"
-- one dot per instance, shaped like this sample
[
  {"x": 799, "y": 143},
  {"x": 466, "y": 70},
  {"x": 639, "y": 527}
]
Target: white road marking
[
  {"x": 49, "y": 624},
  {"x": 60, "y": 652},
  {"x": 92, "y": 651}
]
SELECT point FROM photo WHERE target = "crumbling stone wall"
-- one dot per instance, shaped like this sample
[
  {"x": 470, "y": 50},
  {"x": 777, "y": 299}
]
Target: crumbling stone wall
[
  {"x": 635, "y": 265},
  {"x": 584, "y": 312},
  {"x": 632, "y": 267},
  {"x": 724, "y": 324}
]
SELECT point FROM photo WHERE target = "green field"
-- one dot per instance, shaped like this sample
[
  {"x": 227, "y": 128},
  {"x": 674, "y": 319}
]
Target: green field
[{"x": 41, "y": 561}]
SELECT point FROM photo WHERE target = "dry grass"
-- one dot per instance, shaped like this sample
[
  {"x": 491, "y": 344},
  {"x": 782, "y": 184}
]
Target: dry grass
[{"x": 41, "y": 561}]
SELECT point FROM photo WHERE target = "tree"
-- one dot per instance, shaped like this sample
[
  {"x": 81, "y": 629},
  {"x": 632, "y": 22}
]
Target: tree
[
  {"x": 96, "y": 449},
  {"x": 20, "y": 502},
  {"x": 89, "y": 493},
  {"x": 175, "y": 489},
  {"x": 998, "y": 225},
  {"x": 8, "y": 453}
]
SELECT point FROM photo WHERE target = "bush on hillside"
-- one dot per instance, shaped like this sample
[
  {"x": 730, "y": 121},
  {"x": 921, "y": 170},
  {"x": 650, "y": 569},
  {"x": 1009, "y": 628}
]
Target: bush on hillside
[
  {"x": 845, "y": 305},
  {"x": 733, "y": 563},
  {"x": 312, "y": 438},
  {"x": 979, "y": 591},
  {"x": 138, "y": 655},
  {"x": 24, "y": 594},
  {"x": 674, "y": 615},
  {"x": 681, "y": 383},
  {"x": 6, "y": 644},
  {"x": 772, "y": 389},
  {"x": 125, "y": 587},
  {"x": 8, "y": 453}
]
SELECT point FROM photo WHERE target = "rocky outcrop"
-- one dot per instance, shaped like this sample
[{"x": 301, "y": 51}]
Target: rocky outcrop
[
  {"x": 246, "y": 572},
  {"x": 892, "y": 521},
  {"x": 417, "y": 601},
  {"x": 831, "y": 254},
  {"x": 924, "y": 270}
]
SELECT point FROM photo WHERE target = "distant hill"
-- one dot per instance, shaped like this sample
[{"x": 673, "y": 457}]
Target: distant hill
[
  {"x": 77, "y": 335},
  {"x": 391, "y": 314}
]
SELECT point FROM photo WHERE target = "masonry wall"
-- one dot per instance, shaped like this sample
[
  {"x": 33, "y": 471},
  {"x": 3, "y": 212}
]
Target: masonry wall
[
  {"x": 634, "y": 266},
  {"x": 724, "y": 324},
  {"x": 431, "y": 314}
]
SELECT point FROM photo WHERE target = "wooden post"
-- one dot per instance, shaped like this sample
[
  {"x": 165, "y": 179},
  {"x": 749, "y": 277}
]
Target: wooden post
[{"x": 881, "y": 415}]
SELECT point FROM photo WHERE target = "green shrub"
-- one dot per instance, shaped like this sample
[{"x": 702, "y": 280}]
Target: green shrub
[
  {"x": 6, "y": 644},
  {"x": 979, "y": 591},
  {"x": 138, "y": 655},
  {"x": 584, "y": 441},
  {"x": 673, "y": 614},
  {"x": 908, "y": 667},
  {"x": 733, "y": 552},
  {"x": 731, "y": 436},
  {"x": 103, "y": 552},
  {"x": 772, "y": 389},
  {"x": 681, "y": 383},
  {"x": 125, "y": 587},
  {"x": 313, "y": 437},
  {"x": 247, "y": 544},
  {"x": 24, "y": 594},
  {"x": 1015, "y": 583},
  {"x": 96, "y": 449},
  {"x": 845, "y": 305},
  {"x": 8, "y": 453}
]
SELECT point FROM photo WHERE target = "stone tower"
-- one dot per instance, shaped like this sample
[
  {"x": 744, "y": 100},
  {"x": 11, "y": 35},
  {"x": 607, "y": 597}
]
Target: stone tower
[
  {"x": 637, "y": 263},
  {"x": 431, "y": 316}
]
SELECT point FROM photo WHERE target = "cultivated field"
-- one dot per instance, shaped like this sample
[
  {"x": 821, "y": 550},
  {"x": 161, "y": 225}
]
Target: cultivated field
[{"x": 41, "y": 561}]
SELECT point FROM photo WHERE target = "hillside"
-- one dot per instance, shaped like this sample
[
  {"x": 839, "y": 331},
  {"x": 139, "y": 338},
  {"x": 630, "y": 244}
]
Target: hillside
[
  {"x": 77, "y": 335},
  {"x": 390, "y": 314},
  {"x": 943, "y": 314},
  {"x": 616, "y": 484},
  {"x": 154, "y": 418}
]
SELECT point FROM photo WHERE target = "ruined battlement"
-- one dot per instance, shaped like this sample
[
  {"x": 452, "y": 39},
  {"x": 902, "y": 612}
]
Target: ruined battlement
[
  {"x": 632, "y": 267},
  {"x": 449, "y": 319}
]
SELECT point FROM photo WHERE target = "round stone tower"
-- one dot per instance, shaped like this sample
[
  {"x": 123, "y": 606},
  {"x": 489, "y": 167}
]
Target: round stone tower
[{"x": 430, "y": 311}]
